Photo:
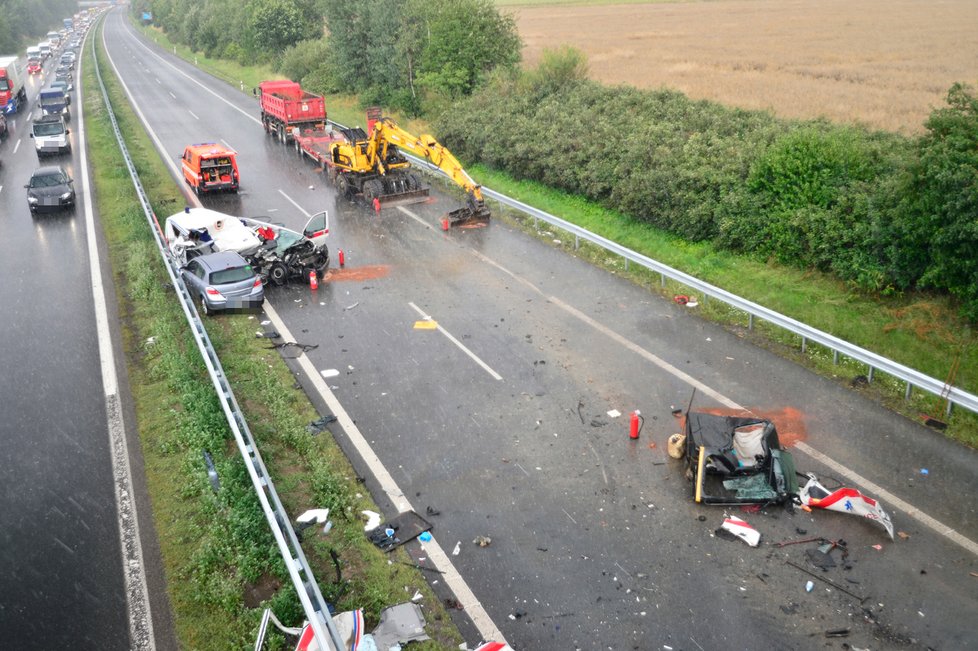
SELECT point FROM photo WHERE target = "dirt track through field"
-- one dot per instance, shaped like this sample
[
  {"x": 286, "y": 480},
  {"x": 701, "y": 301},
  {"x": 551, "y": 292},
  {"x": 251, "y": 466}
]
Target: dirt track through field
[{"x": 886, "y": 63}]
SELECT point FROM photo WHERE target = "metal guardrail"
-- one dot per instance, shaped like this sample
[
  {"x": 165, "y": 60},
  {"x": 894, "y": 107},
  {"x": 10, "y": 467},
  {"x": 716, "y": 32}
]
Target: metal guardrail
[
  {"x": 306, "y": 587},
  {"x": 873, "y": 361}
]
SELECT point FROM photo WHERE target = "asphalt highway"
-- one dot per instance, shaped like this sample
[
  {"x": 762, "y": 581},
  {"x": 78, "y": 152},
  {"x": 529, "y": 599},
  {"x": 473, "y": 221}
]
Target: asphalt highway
[
  {"x": 503, "y": 427},
  {"x": 60, "y": 566}
]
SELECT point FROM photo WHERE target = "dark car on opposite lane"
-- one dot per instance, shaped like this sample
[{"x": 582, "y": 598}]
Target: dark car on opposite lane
[{"x": 50, "y": 189}]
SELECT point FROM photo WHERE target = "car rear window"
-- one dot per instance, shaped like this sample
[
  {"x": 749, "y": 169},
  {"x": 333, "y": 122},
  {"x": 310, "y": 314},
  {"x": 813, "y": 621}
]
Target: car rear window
[{"x": 232, "y": 275}]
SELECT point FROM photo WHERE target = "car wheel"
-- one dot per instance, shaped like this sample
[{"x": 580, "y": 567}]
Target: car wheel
[
  {"x": 204, "y": 308},
  {"x": 281, "y": 134},
  {"x": 278, "y": 273}
]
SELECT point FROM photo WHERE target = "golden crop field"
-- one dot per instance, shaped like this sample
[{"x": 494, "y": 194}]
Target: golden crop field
[{"x": 884, "y": 63}]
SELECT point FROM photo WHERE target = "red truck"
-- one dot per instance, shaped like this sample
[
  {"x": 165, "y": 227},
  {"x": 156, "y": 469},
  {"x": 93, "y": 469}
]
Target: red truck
[
  {"x": 298, "y": 117},
  {"x": 12, "y": 92},
  {"x": 286, "y": 107}
]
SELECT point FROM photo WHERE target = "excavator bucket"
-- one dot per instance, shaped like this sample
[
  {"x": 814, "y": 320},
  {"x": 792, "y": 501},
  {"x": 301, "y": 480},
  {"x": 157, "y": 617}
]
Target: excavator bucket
[
  {"x": 404, "y": 198},
  {"x": 468, "y": 216}
]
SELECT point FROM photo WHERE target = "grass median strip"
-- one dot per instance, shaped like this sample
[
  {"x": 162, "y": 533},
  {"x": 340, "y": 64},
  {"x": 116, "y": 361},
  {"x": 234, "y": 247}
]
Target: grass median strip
[{"x": 221, "y": 563}]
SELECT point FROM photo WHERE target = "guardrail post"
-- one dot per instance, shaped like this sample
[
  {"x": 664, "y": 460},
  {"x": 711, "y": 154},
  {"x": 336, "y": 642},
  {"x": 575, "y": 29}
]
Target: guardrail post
[
  {"x": 626, "y": 264},
  {"x": 835, "y": 357},
  {"x": 906, "y": 394},
  {"x": 804, "y": 344},
  {"x": 947, "y": 412},
  {"x": 577, "y": 242},
  {"x": 662, "y": 280},
  {"x": 750, "y": 321},
  {"x": 869, "y": 375}
]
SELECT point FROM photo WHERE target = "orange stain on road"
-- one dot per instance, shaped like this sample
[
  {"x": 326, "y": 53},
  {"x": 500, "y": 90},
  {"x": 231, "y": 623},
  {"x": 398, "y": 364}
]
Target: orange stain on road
[
  {"x": 367, "y": 272},
  {"x": 789, "y": 421}
]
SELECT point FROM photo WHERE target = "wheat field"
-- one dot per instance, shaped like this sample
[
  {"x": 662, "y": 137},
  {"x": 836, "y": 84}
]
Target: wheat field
[{"x": 882, "y": 63}]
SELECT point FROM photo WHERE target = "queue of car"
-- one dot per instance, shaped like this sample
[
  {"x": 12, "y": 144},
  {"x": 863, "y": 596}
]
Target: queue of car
[{"x": 219, "y": 278}]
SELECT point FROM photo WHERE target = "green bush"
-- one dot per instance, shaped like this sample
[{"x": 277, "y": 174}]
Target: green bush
[{"x": 879, "y": 210}]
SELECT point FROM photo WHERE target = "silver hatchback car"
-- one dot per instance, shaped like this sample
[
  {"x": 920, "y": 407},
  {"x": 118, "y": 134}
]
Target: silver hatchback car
[{"x": 223, "y": 281}]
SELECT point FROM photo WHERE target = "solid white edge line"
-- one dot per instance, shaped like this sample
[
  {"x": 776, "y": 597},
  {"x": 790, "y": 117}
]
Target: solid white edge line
[
  {"x": 458, "y": 343},
  {"x": 470, "y": 604},
  {"x": 137, "y": 595}
]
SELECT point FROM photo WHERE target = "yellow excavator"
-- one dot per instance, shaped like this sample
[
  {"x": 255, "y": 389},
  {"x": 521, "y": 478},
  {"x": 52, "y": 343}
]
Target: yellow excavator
[{"x": 373, "y": 167}]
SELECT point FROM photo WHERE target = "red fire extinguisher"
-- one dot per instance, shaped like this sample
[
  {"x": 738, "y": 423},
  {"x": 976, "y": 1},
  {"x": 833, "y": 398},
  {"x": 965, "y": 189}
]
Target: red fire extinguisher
[
  {"x": 636, "y": 425},
  {"x": 313, "y": 280}
]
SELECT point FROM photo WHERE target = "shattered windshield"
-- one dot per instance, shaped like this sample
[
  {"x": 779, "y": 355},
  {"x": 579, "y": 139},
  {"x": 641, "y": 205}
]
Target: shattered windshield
[{"x": 4, "y": 84}]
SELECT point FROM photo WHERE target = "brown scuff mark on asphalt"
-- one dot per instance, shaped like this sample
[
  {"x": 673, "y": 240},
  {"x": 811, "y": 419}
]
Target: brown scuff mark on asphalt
[{"x": 367, "y": 272}]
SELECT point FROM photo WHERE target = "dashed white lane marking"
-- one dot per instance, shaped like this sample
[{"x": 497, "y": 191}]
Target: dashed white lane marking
[
  {"x": 226, "y": 143},
  {"x": 293, "y": 202},
  {"x": 16, "y": 146},
  {"x": 194, "y": 115},
  {"x": 436, "y": 554},
  {"x": 137, "y": 596},
  {"x": 172, "y": 95},
  {"x": 458, "y": 343},
  {"x": 158, "y": 81}
]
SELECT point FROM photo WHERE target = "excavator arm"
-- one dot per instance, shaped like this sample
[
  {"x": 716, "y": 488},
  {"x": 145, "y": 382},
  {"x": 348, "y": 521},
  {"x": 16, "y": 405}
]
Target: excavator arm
[{"x": 386, "y": 132}]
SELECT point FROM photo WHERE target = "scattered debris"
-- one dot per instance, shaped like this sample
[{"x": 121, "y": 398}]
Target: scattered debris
[
  {"x": 482, "y": 541},
  {"x": 399, "y": 624},
  {"x": 453, "y": 604},
  {"x": 903, "y": 535},
  {"x": 425, "y": 536},
  {"x": 212, "y": 472},
  {"x": 676, "y": 445},
  {"x": 878, "y": 547},
  {"x": 681, "y": 299},
  {"x": 837, "y": 632},
  {"x": 458, "y": 547},
  {"x": 330, "y": 372},
  {"x": 150, "y": 341},
  {"x": 826, "y": 580},
  {"x": 314, "y": 516},
  {"x": 844, "y": 500},
  {"x": 404, "y": 528},
  {"x": 809, "y": 586},
  {"x": 271, "y": 334},
  {"x": 924, "y": 471},
  {"x": 373, "y": 520},
  {"x": 320, "y": 424},
  {"x": 431, "y": 511},
  {"x": 350, "y": 307},
  {"x": 417, "y": 596},
  {"x": 614, "y": 413},
  {"x": 741, "y": 530}
]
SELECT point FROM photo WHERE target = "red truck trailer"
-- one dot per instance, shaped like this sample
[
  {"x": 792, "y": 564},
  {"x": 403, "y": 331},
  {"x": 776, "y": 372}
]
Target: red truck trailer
[
  {"x": 285, "y": 107},
  {"x": 12, "y": 92}
]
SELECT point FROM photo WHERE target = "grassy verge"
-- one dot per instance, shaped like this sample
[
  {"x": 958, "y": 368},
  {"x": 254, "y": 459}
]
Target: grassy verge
[
  {"x": 221, "y": 564},
  {"x": 919, "y": 330}
]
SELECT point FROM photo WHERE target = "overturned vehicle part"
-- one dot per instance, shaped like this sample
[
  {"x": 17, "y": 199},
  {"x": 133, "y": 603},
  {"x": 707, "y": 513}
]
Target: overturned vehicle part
[{"x": 737, "y": 460}]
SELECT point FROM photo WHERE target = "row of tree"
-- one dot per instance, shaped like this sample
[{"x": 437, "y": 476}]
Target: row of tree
[
  {"x": 24, "y": 22},
  {"x": 880, "y": 210},
  {"x": 406, "y": 54}
]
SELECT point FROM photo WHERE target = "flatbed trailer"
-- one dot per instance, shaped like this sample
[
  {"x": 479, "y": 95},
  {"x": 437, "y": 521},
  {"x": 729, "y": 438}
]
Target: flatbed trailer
[{"x": 314, "y": 143}]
